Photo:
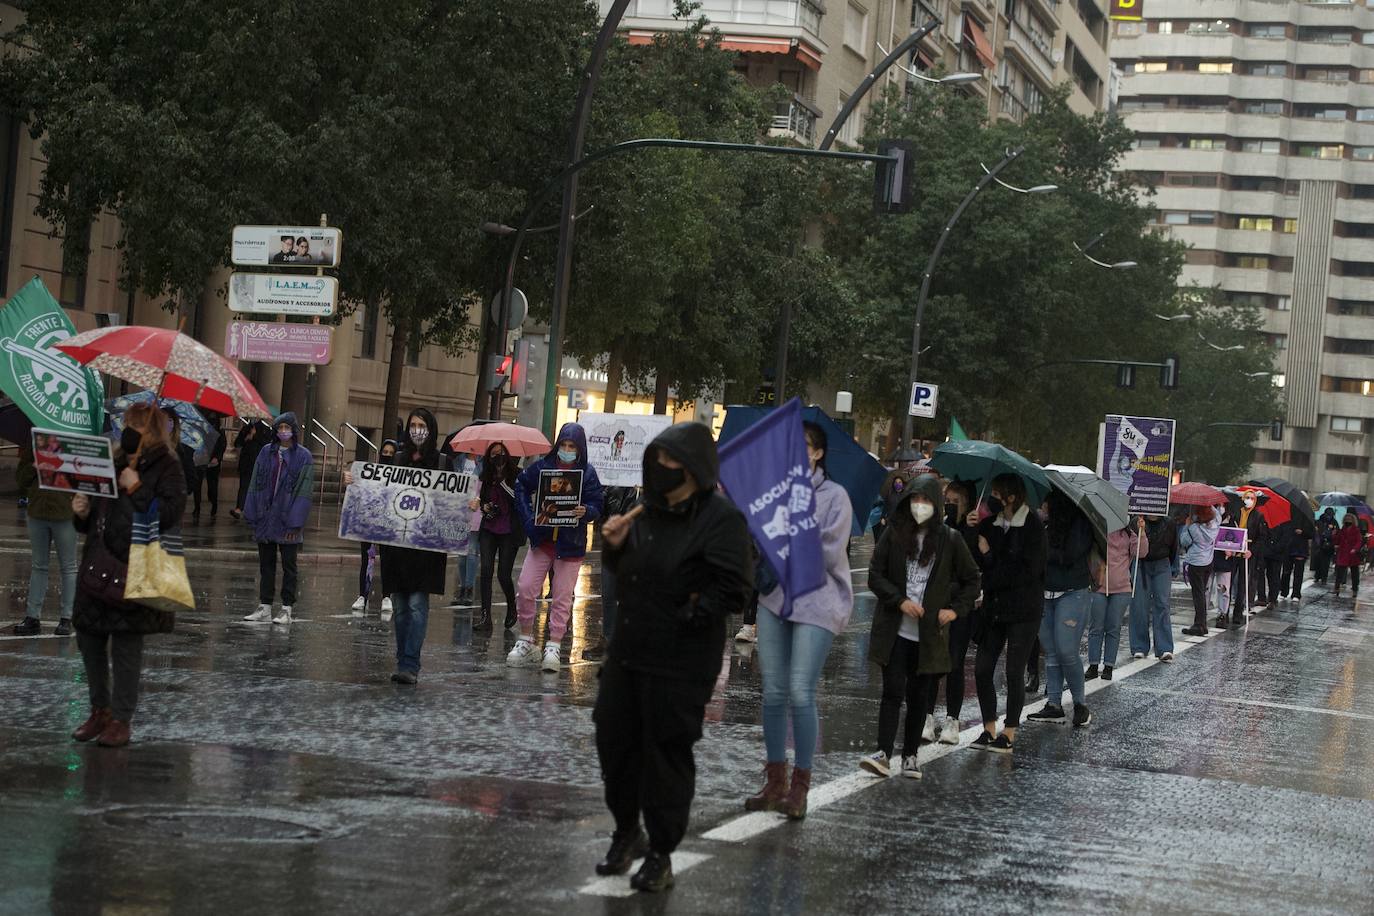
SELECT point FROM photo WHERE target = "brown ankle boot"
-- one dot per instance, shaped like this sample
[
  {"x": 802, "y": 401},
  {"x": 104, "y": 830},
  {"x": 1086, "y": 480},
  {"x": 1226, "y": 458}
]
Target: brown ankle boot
[
  {"x": 794, "y": 806},
  {"x": 100, "y": 717},
  {"x": 774, "y": 789},
  {"x": 116, "y": 734}
]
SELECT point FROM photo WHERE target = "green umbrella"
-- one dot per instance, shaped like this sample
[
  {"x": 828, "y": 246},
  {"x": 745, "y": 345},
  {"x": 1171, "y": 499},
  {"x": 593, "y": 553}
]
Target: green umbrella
[
  {"x": 1105, "y": 506},
  {"x": 979, "y": 462}
]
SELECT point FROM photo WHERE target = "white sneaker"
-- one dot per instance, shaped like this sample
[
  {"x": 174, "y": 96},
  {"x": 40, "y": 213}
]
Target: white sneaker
[
  {"x": 261, "y": 615},
  {"x": 386, "y": 610},
  {"x": 747, "y": 633},
  {"x": 877, "y": 764},
  {"x": 284, "y": 618},
  {"x": 1167, "y": 657},
  {"x": 360, "y": 606},
  {"x": 552, "y": 658},
  {"x": 950, "y": 733},
  {"x": 1137, "y": 655},
  {"x": 928, "y": 733},
  {"x": 910, "y": 768},
  {"x": 522, "y": 654}
]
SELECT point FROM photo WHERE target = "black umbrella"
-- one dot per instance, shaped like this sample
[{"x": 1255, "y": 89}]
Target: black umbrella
[{"x": 1305, "y": 517}]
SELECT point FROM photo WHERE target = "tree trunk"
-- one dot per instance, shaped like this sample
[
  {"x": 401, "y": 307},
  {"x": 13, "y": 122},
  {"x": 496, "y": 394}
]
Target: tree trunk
[
  {"x": 615, "y": 369},
  {"x": 661, "y": 394},
  {"x": 391, "y": 406}
]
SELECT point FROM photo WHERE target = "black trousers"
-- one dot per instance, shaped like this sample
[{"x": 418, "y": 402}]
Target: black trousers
[
  {"x": 362, "y": 569},
  {"x": 901, "y": 682},
  {"x": 267, "y": 572},
  {"x": 1291, "y": 580},
  {"x": 1354, "y": 572},
  {"x": 245, "y": 479},
  {"x": 751, "y": 610},
  {"x": 125, "y": 650},
  {"x": 1273, "y": 572},
  {"x": 1017, "y": 639},
  {"x": 1255, "y": 573},
  {"x": 645, "y": 728},
  {"x": 959, "y": 633},
  {"x": 1321, "y": 565},
  {"x": 210, "y": 474},
  {"x": 1197, "y": 581},
  {"x": 498, "y": 557}
]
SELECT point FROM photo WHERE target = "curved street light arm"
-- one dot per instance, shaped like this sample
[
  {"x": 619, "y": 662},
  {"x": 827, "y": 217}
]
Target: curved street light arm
[{"x": 884, "y": 65}]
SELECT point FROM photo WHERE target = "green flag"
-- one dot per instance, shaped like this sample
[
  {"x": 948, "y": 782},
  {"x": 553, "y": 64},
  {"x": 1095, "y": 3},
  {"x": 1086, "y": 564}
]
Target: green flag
[
  {"x": 48, "y": 385},
  {"x": 956, "y": 432}
]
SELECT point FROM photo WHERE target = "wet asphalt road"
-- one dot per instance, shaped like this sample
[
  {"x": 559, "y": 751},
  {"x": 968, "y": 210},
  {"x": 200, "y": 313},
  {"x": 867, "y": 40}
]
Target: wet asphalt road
[{"x": 278, "y": 771}]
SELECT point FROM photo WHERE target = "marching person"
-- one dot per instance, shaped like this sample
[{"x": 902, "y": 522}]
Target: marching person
[
  {"x": 1068, "y": 597},
  {"x": 412, "y": 575},
  {"x": 499, "y": 536},
  {"x": 888, "y": 495},
  {"x": 1111, "y": 597},
  {"x": 49, "y": 522},
  {"x": 385, "y": 455},
  {"x": 559, "y": 549},
  {"x": 617, "y": 501},
  {"x": 209, "y": 475},
  {"x": 682, "y": 568},
  {"x": 925, "y": 580},
  {"x": 792, "y": 652},
  {"x": 1257, "y": 536},
  {"x": 1199, "y": 544},
  {"x": 1323, "y": 549},
  {"x": 251, "y": 440},
  {"x": 109, "y": 630},
  {"x": 1349, "y": 543},
  {"x": 277, "y": 507},
  {"x": 1295, "y": 563},
  {"x": 1279, "y": 547},
  {"x": 959, "y": 498},
  {"x": 1011, "y": 554},
  {"x": 468, "y": 559},
  {"x": 1150, "y": 608}
]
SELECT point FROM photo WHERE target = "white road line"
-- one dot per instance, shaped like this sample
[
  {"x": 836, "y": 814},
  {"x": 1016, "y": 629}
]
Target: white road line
[
  {"x": 1344, "y": 713},
  {"x": 619, "y": 885}
]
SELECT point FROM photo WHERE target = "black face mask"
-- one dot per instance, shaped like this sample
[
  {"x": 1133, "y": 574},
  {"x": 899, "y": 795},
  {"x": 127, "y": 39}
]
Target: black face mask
[
  {"x": 386, "y": 459},
  {"x": 952, "y": 514},
  {"x": 498, "y": 461},
  {"x": 129, "y": 440},
  {"x": 663, "y": 480},
  {"x": 995, "y": 505}
]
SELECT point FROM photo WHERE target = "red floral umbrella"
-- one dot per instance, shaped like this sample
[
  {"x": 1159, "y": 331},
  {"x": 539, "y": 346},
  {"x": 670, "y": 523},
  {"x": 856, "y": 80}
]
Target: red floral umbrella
[
  {"x": 1194, "y": 493},
  {"x": 1271, "y": 505},
  {"x": 170, "y": 363}
]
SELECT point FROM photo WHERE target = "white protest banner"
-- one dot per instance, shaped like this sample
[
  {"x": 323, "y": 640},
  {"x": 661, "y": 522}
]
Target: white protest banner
[
  {"x": 616, "y": 442},
  {"x": 407, "y": 507}
]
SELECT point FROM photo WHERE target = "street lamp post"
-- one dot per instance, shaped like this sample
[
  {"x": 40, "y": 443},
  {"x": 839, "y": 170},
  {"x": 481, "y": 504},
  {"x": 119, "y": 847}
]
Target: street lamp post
[{"x": 989, "y": 176}]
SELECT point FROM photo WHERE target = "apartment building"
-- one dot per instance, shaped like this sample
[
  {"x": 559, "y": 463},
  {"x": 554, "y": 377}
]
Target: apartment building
[{"x": 1256, "y": 124}]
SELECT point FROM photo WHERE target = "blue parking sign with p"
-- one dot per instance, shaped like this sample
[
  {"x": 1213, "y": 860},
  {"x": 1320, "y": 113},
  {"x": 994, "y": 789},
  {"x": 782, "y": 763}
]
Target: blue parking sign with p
[{"x": 923, "y": 400}]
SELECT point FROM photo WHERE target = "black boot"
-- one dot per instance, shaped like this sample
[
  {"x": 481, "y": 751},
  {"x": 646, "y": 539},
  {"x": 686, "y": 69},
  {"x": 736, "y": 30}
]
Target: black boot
[
  {"x": 1033, "y": 681},
  {"x": 623, "y": 852},
  {"x": 483, "y": 624},
  {"x": 511, "y": 618},
  {"x": 656, "y": 874}
]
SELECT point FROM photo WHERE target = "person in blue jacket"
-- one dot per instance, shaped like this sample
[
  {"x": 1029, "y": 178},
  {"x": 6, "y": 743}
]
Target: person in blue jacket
[
  {"x": 560, "y": 548},
  {"x": 277, "y": 507}
]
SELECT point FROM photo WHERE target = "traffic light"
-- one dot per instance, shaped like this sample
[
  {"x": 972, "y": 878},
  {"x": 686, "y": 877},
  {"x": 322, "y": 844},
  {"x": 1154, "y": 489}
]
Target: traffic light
[
  {"x": 1125, "y": 376},
  {"x": 520, "y": 368},
  {"x": 894, "y": 181},
  {"x": 498, "y": 371},
  {"x": 1276, "y": 430},
  {"x": 1168, "y": 374}
]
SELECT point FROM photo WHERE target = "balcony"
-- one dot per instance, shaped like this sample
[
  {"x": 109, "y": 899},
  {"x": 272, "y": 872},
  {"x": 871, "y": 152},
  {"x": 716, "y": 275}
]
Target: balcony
[
  {"x": 1033, "y": 49},
  {"x": 726, "y": 14},
  {"x": 795, "y": 120}
]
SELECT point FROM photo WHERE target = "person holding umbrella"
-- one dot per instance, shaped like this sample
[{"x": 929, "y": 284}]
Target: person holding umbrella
[
  {"x": 1323, "y": 546},
  {"x": 1257, "y": 537},
  {"x": 1349, "y": 543},
  {"x": 251, "y": 440},
  {"x": 1199, "y": 541},
  {"x": 1295, "y": 563},
  {"x": 1112, "y": 596},
  {"x": 1067, "y": 598},
  {"x": 499, "y": 536}
]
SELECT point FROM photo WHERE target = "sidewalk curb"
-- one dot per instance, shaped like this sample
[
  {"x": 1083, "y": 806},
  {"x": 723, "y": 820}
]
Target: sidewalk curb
[{"x": 337, "y": 558}]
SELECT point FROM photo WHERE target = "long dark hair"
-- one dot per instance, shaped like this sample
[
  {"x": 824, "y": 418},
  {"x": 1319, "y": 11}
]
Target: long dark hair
[
  {"x": 489, "y": 471},
  {"x": 903, "y": 530},
  {"x": 1062, "y": 515},
  {"x": 816, "y": 438}
]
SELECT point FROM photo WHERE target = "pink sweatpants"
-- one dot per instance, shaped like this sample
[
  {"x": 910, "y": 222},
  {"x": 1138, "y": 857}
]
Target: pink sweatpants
[{"x": 531, "y": 588}]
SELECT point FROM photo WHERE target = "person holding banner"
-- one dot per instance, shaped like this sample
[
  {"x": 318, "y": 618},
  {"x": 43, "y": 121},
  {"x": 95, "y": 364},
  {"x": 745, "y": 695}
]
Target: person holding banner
[
  {"x": 110, "y": 630},
  {"x": 1153, "y": 582},
  {"x": 277, "y": 507},
  {"x": 681, "y": 561},
  {"x": 49, "y": 519},
  {"x": 793, "y": 650},
  {"x": 1111, "y": 597},
  {"x": 556, "y": 548},
  {"x": 1198, "y": 539}
]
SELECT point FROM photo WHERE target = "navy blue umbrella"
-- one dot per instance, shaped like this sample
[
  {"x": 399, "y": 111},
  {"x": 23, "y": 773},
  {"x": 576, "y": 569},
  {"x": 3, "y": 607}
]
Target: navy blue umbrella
[{"x": 849, "y": 464}]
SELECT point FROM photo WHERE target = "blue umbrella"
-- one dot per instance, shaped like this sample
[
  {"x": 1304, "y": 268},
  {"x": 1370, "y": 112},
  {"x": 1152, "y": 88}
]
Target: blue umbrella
[
  {"x": 196, "y": 431},
  {"x": 849, "y": 464}
]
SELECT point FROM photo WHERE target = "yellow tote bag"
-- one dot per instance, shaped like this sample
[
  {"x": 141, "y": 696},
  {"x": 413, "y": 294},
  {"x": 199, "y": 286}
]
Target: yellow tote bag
[{"x": 157, "y": 566}]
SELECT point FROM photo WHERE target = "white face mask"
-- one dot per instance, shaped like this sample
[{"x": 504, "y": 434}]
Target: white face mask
[
  {"x": 1249, "y": 504},
  {"x": 921, "y": 511},
  {"x": 419, "y": 434}
]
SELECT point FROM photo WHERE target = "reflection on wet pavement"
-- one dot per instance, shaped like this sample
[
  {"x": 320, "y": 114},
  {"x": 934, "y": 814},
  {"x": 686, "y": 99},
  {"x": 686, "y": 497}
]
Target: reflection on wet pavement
[{"x": 278, "y": 770}]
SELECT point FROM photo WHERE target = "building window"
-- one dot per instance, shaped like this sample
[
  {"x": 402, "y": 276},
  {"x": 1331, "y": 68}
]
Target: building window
[
  {"x": 1268, "y": 69},
  {"x": 1347, "y": 425},
  {"x": 1283, "y": 303},
  {"x": 1314, "y": 151},
  {"x": 1362, "y": 153},
  {"x": 371, "y": 314},
  {"x": 1297, "y": 459},
  {"x": 72, "y": 293},
  {"x": 1265, "y": 108},
  {"x": 1165, "y": 28},
  {"x": 849, "y": 130},
  {"x": 1347, "y": 463},
  {"x": 1145, "y": 143},
  {"x": 1269, "y": 147},
  {"x": 413, "y": 348},
  {"x": 1364, "y": 114},
  {"x": 1268, "y": 30},
  {"x": 1278, "y": 341},
  {"x": 1360, "y": 386},
  {"x": 1149, "y": 66},
  {"x": 1349, "y": 346},
  {"x": 1211, "y": 66},
  {"x": 1206, "y": 143},
  {"x": 856, "y": 28},
  {"x": 1251, "y": 261},
  {"x": 1268, "y": 456},
  {"x": 1324, "y": 75}
]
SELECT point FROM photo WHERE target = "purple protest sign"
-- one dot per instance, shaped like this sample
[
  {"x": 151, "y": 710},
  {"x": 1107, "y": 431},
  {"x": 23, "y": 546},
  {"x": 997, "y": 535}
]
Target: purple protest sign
[
  {"x": 279, "y": 342},
  {"x": 767, "y": 475},
  {"x": 1136, "y": 455}
]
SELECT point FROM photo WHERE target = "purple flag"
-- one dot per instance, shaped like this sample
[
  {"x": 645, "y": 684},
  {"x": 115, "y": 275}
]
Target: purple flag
[{"x": 767, "y": 475}]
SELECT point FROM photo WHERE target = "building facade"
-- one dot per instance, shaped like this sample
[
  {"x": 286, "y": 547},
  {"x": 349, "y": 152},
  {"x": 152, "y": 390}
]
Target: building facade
[{"x": 1255, "y": 121}]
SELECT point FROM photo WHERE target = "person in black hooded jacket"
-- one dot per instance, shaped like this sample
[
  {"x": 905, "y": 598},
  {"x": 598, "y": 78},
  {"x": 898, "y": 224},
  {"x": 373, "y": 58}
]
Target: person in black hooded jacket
[
  {"x": 682, "y": 568},
  {"x": 415, "y": 574}
]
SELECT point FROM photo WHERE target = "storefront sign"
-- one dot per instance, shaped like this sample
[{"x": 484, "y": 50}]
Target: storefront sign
[
  {"x": 279, "y": 342},
  {"x": 286, "y": 246},
  {"x": 283, "y": 294}
]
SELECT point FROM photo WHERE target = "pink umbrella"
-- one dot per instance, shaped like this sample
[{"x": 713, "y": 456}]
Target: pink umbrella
[
  {"x": 169, "y": 363},
  {"x": 518, "y": 440}
]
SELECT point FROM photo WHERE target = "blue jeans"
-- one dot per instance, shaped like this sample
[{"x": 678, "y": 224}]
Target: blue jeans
[
  {"x": 43, "y": 535},
  {"x": 1104, "y": 626},
  {"x": 1150, "y": 609},
  {"x": 467, "y": 566},
  {"x": 1061, "y": 633},
  {"x": 411, "y": 621},
  {"x": 790, "y": 659}
]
